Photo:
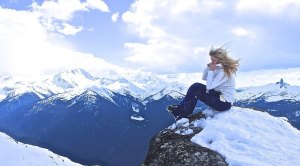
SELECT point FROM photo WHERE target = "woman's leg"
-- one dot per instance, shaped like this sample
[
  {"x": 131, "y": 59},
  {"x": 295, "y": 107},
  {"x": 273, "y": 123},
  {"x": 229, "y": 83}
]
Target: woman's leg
[
  {"x": 212, "y": 99},
  {"x": 187, "y": 105},
  {"x": 196, "y": 92},
  {"x": 219, "y": 105}
]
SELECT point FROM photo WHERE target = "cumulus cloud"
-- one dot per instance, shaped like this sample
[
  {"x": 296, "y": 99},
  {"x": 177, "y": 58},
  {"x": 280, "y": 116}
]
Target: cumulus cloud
[
  {"x": 167, "y": 27},
  {"x": 97, "y": 4},
  {"x": 27, "y": 48},
  {"x": 55, "y": 14},
  {"x": 115, "y": 17},
  {"x": 68, "y": 29},
  {"x": 176, "y": 34},
  {"x": 195, "y": 6},
  {"x": 155, "y": 52},
  {"x": 60, "y": 10},
  {"x": 65, "y": 9}
]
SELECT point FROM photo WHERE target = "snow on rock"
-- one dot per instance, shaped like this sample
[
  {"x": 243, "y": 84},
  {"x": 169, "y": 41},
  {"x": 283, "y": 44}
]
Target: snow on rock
[
  {"x": 182, "y": 122},
  {"x": 182, "y": 127},
  {"x": 249, "y": 137},
  {"x": 137, "y": 118},
  {"x": 184, "y": 132},
  {"x": 172, "y": 146},
  {"x": 103, "y": 92},
  {"x": 2, "y": 94},
  {"x": 123, "y": 86},
  {"x": 135, "y": 107},
  {"x": 16, "y": 153},
  {"x": 297, "y": 113}
]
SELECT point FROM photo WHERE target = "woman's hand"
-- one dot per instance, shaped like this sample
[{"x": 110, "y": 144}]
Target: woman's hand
[{"x": 212, "y": 66}]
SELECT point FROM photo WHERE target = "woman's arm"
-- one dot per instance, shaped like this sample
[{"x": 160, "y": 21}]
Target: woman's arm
[
  {"x": 204, "y": 76},
  {"x": 211, "y": 82}
]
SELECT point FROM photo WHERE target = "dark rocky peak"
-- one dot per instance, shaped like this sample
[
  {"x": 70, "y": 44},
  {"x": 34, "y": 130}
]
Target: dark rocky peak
[
  {"x": 173, "y": 146},
  {"x": 282, "y": 84}
]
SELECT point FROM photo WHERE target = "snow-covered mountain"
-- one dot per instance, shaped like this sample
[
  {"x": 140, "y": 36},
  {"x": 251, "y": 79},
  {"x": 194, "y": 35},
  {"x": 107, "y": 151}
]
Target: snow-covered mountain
[
  {"x": 139, "y": 85},
  {"x": 242, "y": 137},
  {"x": 279, "y": 99},
  {"x": 271, "y": 92},
  {"x": 84, "y": 124},
  {"x": 16, "y": 153},
  {"x": 143, "y": 86},
  {"x": 85, "y": 116}
]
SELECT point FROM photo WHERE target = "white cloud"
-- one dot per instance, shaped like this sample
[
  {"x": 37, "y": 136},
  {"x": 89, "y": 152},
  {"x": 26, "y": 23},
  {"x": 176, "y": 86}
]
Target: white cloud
[
  {"x": 115, "y": 17},
  {"x": 97, "y": 4},
  {"x": 55, "y": 14},
  {"x": 243, "y": 32},
  {"x": 155, "y": 52},
  {"x": 65, "y": 9},
  {"x": 26, "y": 48},
  {"x": 68, "y": 29},
  {"x": 59, "y": 10},
  {"x": 169, "y": 27},
  {"x": 179, "y": 33},
  {"x": 195, "y": 6},
  {"x": 271, "y": 7},
  {"x": 147, "y": 16}
]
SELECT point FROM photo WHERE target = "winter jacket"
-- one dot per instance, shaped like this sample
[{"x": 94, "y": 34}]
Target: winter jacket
[{"x": 218, "y": 81}]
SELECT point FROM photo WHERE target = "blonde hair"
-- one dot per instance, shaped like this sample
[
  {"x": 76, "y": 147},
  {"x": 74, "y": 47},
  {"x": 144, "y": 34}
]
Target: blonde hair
[{"x": 229, "y": 65}]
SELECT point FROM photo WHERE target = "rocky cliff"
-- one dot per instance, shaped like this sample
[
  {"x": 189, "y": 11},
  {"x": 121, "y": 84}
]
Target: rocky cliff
[{"x": 172, "y": 146}]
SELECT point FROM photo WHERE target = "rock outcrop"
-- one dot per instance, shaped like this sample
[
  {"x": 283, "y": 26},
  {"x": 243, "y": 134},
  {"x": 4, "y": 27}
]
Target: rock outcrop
[{"x": 172, "y": 146}]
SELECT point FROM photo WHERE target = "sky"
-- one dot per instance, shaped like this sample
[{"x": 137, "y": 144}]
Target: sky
[{"x": 161, "y": 36}]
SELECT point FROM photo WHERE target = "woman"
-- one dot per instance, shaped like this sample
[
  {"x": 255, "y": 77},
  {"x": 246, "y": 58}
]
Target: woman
[{"x": 218, "y": 93}]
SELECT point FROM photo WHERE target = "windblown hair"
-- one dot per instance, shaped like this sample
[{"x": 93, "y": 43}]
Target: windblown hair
[{"x": 229, "y": 65}]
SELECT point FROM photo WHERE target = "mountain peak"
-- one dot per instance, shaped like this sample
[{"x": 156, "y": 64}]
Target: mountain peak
[
  {"x": 82, "y": 72},
  {"x": 75, "y": 72},
  {"x": 282, "y": 84},
  {"x": 89, "y": 92},
  {"x": 73, "y": 78}
]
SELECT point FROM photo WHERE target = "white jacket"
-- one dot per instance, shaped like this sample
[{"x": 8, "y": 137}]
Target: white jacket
[{"x": 218, "y": 81}]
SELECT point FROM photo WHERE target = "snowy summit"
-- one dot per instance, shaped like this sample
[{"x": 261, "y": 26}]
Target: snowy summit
[
  {"x": 249, "y": 137},
  {"x": 16, "y": 153}
]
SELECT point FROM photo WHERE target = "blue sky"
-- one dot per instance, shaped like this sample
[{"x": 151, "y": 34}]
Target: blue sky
[{"x": 160, "y": 36}]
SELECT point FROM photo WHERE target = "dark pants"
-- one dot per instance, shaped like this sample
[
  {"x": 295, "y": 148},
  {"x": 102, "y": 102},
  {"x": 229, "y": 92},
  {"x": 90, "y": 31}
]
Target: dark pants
[{"x": 196, "y": 92}]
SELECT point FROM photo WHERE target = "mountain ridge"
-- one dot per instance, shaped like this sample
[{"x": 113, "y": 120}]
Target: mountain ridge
[
  {"x": 16, "y": 153},
  {"x": 121, "y": 106}
]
